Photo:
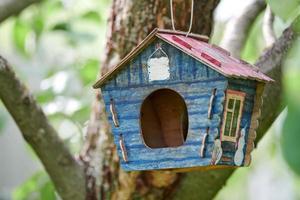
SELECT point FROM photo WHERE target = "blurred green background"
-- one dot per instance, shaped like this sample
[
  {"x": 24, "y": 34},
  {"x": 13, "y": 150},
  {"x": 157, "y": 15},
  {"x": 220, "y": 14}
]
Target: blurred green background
[{"x": 56, "y": 47}]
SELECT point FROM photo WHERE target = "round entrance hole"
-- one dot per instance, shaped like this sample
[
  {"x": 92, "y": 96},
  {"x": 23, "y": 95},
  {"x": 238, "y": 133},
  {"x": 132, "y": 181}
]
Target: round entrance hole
[{"x": 164, "y": 119}]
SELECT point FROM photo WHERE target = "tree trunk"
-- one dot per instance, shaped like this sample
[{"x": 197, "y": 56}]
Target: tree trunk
[{"x": 130, "y": 22}]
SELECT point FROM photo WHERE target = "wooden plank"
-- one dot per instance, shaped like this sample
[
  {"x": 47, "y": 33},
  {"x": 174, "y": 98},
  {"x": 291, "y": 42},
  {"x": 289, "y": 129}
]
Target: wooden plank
[
  {"x": 212, "y": 73},
  {"x": 165, "y": 164},
  {"x": 201, "y": 71},
  {"x": 134, "y": 139},
  {"x": 163, "y": 83},
  {"x": 254, "y": 123},
  {"x": 245, "y": 83},
  {"x": 248, "y": 89},
  {"x": 134, "y": 72},
  {"x": 188, "y": 66},
  {"x": 128, "y": 102},
  {"x": 194, "y": 121},
  {"x": 175, "y": 58},
  {"x": 195, "y": 106},
  {"x": 159, "y": 154},
  {"x": 132, "y": 126},
  {"x": 168, "y": 159},
  {"x": 182, "y": 67},
  {"x": 122, "y": 78},
  {"x": 110, "y": 84},
  {"x": 188, "y": 88}
]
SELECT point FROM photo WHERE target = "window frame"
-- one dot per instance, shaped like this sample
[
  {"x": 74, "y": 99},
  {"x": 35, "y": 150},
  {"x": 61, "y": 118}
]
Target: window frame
[{"x": 236, "y": 95}]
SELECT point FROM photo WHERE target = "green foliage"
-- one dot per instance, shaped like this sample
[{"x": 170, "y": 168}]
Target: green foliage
[
  {"x": 255, "y": 42},
  {"x": 92, "y": 16},
  {"x": 268, "y": 177},
  {"x": 285, "y": 9},
  {"x": 289, "y": 10},
  {"x": 290, "y": 140},
  {"x": 291, "y": 128},
  {"x": 37, "y": 187},
  {"x": 21, "y": 32},
  {"x": 56, "y": 47},
  {"x": 2, "y": 118},
  {"x": 296, "y": 25},
  {"x": 89, "y": 70},
  {"x": 62, "y": 26}
]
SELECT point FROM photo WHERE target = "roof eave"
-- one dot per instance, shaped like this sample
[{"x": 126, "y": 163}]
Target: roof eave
[
  {"x": 150, "y": 38},
  {"x": 139, "y": 47}
]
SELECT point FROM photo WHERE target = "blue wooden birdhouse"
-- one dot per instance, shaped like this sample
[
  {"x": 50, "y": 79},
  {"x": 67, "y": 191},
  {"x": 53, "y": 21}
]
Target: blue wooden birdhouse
[{"x": 176, "y": 101}]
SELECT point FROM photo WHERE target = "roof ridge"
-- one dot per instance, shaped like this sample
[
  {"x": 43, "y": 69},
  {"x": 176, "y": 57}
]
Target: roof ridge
[{"x": 203, "y": 38}]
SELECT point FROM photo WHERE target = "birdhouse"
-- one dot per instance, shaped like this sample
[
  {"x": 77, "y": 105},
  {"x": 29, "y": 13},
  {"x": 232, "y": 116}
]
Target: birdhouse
[{"x": 176, "y": 101}]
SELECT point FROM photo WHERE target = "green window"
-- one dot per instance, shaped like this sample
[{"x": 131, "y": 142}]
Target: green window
[{"x": 232, "y": 115}]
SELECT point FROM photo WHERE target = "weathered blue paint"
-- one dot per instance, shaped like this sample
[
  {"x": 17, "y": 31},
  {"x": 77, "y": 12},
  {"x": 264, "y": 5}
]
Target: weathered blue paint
[
  {"x": 194, "y": 81},
  {"x": 249, "y": 87}
]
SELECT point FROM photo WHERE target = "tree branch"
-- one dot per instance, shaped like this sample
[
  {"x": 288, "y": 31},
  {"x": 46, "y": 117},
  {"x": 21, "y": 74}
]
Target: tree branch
[
  {"x": 270, "y": 62},
  {"x": 268, "y": 29},
  {"x": 13, "y": 7},
  {"x": 237, "y": 29},
  {"x": 67, "y": 174}
]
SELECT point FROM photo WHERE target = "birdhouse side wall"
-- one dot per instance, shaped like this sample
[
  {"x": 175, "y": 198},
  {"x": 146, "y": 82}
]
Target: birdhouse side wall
[
  {"x": 249, "y": 88},
  {"x": 193, "y": 80}
]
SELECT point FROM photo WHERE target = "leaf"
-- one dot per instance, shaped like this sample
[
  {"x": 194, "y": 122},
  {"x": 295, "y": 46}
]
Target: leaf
[
  {"x": 284, "y": 9},
  {"x": 89, "y": 71},
  {"x": 38, "y": 25},
  {"x": 39, "y": 186},
  {"x": 47, "y": 191},
  {"x": 76, "y": 37},
  {"x": 290, "y": 140},
  {"x": 63, "y": 26},
  {"x": 255, "y": 42},
  {"x": 45, "y": 96},
  {"x": 21, "y": 31},
  {"x": 2, "y": 118},
  {"x": 52, "y": 6},
  {"x": 296, "y": 25},
  {"x": 82, "y": 114},
  {"x": 92, "y": 16}
]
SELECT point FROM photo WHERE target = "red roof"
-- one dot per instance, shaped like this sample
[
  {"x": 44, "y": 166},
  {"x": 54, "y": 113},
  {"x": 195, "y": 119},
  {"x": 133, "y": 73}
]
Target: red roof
[{"x": 196, "y": 46}]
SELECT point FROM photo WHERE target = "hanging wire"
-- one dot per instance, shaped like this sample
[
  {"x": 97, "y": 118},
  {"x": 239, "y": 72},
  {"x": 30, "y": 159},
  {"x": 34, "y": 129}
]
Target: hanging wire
[
  {"x": 191, "y": 19},
  {"x": 159, "y": 49},
  {"x": 172, "y": 16}
]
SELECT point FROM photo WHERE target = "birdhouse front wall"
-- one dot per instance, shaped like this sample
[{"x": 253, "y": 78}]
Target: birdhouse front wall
[
  {"x": 191, "y": 79},
  {"x": 194, "y": 82}
]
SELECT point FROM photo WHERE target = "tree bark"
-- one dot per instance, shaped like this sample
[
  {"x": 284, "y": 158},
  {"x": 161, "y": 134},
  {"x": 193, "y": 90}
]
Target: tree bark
[
  {"x": 270, "y": 62},
  {"x": 67, "y": 174},
  {"x": 268, "y": 29},
  {"x": 237, "y": 29},
  {"x": 128, "y": 25},
  {"x": 13, "y": 7},
  {"x": 130, "y": 22}
]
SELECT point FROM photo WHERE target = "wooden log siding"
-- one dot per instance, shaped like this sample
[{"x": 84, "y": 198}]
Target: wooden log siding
[
  {"x": 193, "y": 81},
  {"x": 249, "y": 87}
]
